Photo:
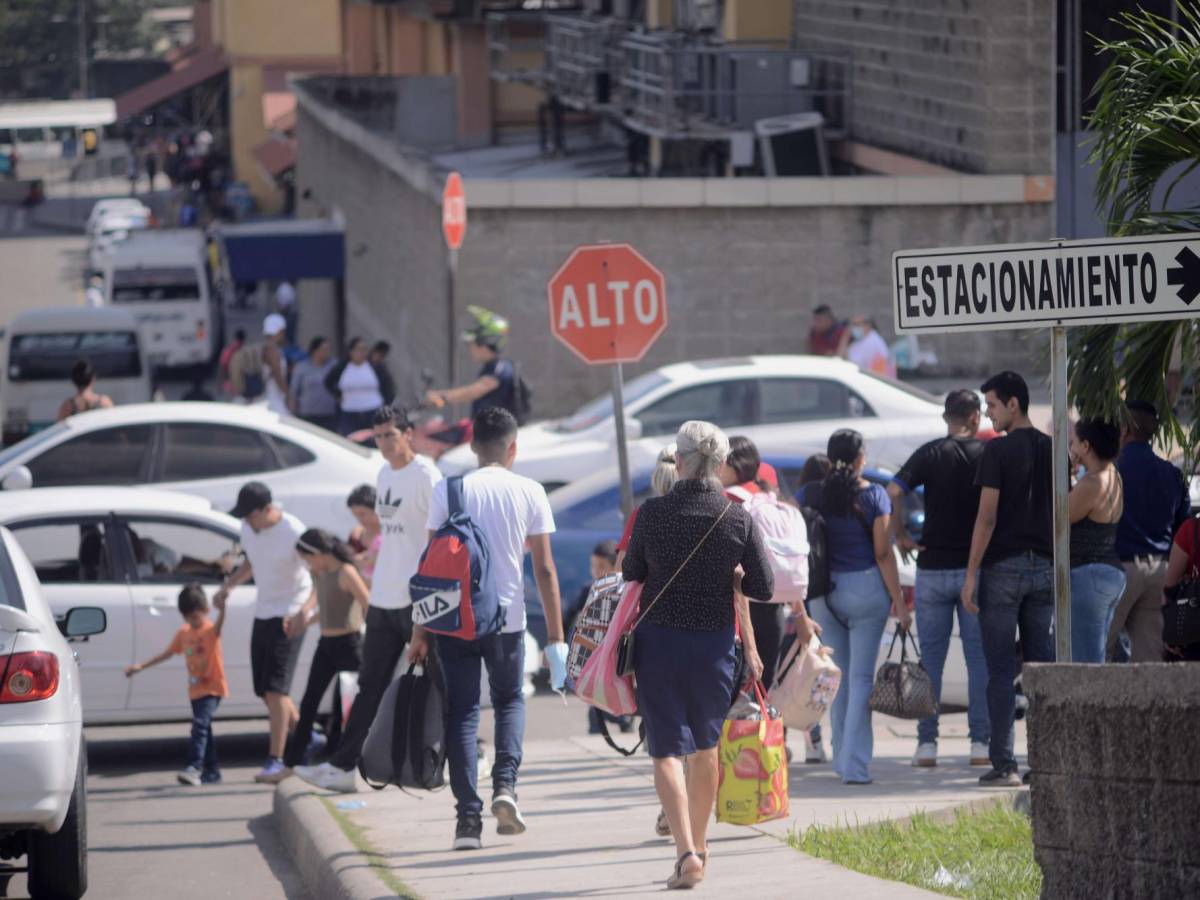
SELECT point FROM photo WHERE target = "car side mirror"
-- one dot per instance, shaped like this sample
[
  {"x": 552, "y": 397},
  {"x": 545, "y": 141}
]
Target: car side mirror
[
  {"x": 18, "y": 479},
  {"x": 83, "y": 621},
  {"x": 633, "y": 429}
]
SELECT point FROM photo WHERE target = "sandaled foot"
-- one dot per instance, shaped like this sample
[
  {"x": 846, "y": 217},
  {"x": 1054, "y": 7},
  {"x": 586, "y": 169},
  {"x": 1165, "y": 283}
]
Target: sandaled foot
[
  {"x": 662, "y": 827},
  {"x": 686, "y": 879},
  {"x": 703, "y": 854}
]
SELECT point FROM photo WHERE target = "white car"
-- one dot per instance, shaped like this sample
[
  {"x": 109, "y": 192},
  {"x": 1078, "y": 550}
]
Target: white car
[
  {"x": 130, "y": 552},
  {"x": 206, "y": 449},
  {"x": 110, "y": 232},
  {"x": 785, "y": 404},
  {"x": 111, "y": 206},
  {"x": 43, "y": 805}
]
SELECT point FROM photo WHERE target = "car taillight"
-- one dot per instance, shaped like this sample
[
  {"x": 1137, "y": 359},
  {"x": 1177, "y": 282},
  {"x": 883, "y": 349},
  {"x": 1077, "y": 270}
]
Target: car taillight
[
  {"x": 201, "y": 330},
  {"x": 29, "y": 676}
]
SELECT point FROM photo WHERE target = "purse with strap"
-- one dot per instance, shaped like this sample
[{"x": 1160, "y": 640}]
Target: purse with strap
[
  {"x": 903, "y": 689},
  {"x": 626, "y": 646},
  {"x": 1181, "y": 609}
]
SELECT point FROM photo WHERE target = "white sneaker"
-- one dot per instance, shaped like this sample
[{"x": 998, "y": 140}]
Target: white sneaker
[
  {"x": 814, "y": 751},
  {"x": 329, "y": 777},
  {"x": 979, "y": 754},
  {"x": 189, "y": 776},
  {"x": 926, "y": 756}
]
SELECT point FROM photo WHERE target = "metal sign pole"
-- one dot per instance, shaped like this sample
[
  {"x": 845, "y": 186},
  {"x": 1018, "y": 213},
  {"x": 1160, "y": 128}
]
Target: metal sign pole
[
  {"x": 622, "y": 450},
  {"x": 451, "y": 317},
  {"x": 1062, "y": 485}
]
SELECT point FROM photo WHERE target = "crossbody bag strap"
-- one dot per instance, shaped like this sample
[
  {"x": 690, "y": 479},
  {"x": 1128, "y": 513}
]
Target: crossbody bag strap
[
  {"x": 454, "y": 495},
  {"x": 682, "y": 565}
]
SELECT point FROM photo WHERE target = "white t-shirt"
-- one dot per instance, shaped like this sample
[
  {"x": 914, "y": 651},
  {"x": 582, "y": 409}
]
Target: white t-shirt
[
  {"x": 871, "y": 354},
  {"x": 508, "y": 508},
  {"x": 402, "y": 503},
  {"x": 360, "y": 388},
  {"x": 281, "y": 578}
]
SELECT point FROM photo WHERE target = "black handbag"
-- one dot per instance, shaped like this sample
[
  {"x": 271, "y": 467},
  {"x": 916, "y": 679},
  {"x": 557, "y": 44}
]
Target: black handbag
[
  {"x": 1181, "y": 608},
  {"x": 903, "y": 689}
]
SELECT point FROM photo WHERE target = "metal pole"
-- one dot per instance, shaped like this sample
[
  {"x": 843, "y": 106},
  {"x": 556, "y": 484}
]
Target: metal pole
[
  {"x": 618, "y": 391},
  {"x": 1062, "y": 484},
  {"x": 83, "y": 60},
  {"x": 451, "y": 317}
]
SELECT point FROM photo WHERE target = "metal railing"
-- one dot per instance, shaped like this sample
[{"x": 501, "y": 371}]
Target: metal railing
[
  {"x": 517, "y": 48},
  {"x": 583, "y": 59}
]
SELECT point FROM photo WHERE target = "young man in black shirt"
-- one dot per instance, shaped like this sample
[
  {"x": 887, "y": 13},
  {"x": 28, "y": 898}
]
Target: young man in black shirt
[
  {"x": 1011, "y": 559},
  {"x": 946, "y": 467},
  {"x": 496, "y": 383}
]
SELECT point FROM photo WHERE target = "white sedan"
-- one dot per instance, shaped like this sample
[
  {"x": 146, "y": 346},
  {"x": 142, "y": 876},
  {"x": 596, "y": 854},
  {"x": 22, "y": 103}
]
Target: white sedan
[
  {"x": 788, "y": 405},
  {"x": 43, "y": 805},
  {"x": 113, "y": 206},
  {"x": 206, "y": 449},
  {"x": 110, "y": 231}
]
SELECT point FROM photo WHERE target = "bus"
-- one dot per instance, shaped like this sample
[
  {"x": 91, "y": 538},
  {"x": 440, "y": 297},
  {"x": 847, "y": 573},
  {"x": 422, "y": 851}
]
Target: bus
[{"x": 54, "y": 129}]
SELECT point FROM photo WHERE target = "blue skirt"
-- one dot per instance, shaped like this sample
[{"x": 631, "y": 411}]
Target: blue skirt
[{"x": 684, "y": 687}]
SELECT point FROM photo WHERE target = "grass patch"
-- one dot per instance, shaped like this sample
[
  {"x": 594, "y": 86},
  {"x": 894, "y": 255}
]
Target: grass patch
[
  {"x": 982, "y": 855},
  {"x": 376, "y": 860}
]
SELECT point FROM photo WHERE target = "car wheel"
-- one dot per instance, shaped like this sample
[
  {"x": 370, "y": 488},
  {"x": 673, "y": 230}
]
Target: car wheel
[{"x": 58, "y": 862}]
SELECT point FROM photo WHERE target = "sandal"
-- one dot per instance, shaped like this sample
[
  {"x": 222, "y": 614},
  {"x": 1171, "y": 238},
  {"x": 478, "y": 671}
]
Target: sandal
[
  {"x": 662, "y": 827},
  {"x": 703, "y": 854},
  {"x": 682, "y": 880}
]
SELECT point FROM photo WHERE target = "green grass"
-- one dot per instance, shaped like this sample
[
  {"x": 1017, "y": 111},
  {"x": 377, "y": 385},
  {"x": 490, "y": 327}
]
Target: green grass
[
  {"x": 983, "y": 854},
  {"x": 376, "y": 860}
]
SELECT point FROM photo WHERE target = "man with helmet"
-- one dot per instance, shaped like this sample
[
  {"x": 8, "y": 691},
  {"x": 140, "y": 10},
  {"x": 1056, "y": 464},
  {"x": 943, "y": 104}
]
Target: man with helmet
[{"x": 498, "y": 383}]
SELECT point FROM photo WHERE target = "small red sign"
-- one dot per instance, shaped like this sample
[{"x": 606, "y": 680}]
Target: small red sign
[{"x": 454, "y": 211}]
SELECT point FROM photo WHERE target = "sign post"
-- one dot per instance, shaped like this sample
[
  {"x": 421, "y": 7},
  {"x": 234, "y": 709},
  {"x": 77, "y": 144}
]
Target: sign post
[
  {"x": 1056, "y": 285},
  {"x": 454, "y": 229},
  {"x": 608, "y": 305}
]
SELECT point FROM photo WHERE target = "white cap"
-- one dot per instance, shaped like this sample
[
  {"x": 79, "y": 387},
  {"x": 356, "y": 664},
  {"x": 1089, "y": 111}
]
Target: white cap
[{"x": 274, "y": 324}]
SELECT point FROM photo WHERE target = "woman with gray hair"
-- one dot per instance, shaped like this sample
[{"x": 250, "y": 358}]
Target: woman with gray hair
[{"x": 691, "y": 549}]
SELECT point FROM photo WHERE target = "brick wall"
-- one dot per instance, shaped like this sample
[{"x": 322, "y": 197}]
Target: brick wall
[{"x": 963, "y": 83}]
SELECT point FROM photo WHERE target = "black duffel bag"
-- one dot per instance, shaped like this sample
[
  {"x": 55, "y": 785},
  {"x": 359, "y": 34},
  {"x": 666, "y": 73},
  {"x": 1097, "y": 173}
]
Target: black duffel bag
[{"x": 903, "y": 689}]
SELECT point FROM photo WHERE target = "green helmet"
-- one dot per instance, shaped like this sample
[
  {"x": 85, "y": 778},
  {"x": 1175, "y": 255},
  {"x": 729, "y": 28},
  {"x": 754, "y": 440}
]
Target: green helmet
[{"x": 490, "y": 329}]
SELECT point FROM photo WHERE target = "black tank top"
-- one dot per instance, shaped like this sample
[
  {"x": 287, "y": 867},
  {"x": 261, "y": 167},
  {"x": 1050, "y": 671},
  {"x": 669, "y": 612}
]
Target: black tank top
[{"x": 1094, "y": 542}]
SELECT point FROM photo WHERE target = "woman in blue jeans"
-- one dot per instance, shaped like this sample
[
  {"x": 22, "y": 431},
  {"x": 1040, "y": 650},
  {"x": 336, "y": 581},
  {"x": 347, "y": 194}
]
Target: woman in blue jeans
[
  {"x": 866, "y": 590},
  {"x": 1096, "y": 503}
]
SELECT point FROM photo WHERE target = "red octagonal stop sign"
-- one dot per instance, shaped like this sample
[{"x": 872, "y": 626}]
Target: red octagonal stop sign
[{"x": 607, "y": 303}]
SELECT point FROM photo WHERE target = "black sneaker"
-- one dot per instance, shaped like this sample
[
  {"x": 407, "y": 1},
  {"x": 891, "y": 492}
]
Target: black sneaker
[
  {"x": 998, "y": 778},
  {"x": 1027, "y": 778},
  {"x": 507, "y": 813},
  {"x": 467, "y": 834}
]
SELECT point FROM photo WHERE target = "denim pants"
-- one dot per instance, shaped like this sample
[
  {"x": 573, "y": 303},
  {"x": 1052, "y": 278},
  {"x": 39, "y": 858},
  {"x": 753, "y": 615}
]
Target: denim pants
[
  {"x": 1096, "y": 589},
  {"x": 202, "y": 747},
  {"x": 939, "y": 593},
  {"x": 852, "y": 619},
  {"x": 1016, "y": 592},
  {"x": 504, "y": 657}
]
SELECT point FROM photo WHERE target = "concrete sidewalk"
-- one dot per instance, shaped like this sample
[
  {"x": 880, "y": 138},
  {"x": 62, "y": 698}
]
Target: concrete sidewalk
[{"x": 591, "y": 819}]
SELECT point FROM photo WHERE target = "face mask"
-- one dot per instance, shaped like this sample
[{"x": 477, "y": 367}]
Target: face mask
[{"x": 858, "y": 332}]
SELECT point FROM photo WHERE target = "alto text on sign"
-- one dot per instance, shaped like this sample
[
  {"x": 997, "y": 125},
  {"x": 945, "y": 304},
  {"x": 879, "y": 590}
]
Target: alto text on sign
[{"x": 1060, "y": 283}]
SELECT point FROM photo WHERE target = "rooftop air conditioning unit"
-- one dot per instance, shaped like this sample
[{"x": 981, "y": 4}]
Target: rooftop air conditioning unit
[
  {"x": 760, "y": 85},
  {"x": 793, "y": 146}
]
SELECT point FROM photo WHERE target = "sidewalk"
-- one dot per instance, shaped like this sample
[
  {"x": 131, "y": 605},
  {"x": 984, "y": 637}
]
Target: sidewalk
[{"x": 591, "y": 817}]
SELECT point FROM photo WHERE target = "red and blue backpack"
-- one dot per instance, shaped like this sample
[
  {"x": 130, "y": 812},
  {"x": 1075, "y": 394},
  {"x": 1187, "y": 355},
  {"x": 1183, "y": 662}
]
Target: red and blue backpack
[{"x": 453, "y": 592}]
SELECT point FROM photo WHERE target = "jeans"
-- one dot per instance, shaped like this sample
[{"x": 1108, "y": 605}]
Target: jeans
[
  {"x": 342, "y": 653},
  {"x": 939, "y": 594},
  {"x": 1096, "y": 589},
  {"x": 1014, "y": 592},
  {"x": 202, "y": 746},
  {"x": 1139, "y": 611},
  {"x": 388, "y": 630},
  {"x": 852, "y": 619},
  {"x": 504, "y": 657}
]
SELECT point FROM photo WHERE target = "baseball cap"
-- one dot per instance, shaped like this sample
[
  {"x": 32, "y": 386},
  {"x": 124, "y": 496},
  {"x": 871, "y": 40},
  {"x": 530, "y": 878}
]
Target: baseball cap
[
  {"x": 254, "y": 495},
  {"x": 273, "y": 324},
  {"x": 1142, "y": 406},
  {"x": 767, "y": 473}
]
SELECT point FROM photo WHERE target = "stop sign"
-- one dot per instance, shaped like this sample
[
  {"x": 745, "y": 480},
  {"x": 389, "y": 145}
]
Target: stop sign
[
  {"x": 608, "y": 304},
  {"x": 454, "y": 211}
]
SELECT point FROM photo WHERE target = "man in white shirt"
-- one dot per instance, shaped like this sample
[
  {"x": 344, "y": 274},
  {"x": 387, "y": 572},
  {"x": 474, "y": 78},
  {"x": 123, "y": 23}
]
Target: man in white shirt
[
  {"x": 284, "y": 589},
  {"x": 512, "y": 512},
  {"x": 402, "y": 499}
]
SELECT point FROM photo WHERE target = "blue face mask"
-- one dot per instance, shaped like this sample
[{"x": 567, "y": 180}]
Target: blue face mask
[{"x": 858, "y": 332}]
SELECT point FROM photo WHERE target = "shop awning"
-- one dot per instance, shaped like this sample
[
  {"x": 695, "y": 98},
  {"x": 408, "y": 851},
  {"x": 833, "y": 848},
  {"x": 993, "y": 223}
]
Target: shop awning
[
  {"x": 284, "y": 249},
  {"x": 191, "y": 70}
]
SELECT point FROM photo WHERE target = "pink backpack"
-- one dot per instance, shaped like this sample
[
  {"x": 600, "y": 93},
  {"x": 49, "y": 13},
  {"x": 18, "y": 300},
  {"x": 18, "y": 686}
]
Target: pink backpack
[{"x": 785, "y": 537}]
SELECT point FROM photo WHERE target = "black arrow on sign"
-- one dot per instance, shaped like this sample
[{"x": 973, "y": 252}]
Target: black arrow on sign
[{"x": 1186, "y": 275}]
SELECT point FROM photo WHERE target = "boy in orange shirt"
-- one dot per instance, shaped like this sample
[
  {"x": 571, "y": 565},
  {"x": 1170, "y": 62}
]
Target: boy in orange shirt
[{"x": 199, "y": 640}]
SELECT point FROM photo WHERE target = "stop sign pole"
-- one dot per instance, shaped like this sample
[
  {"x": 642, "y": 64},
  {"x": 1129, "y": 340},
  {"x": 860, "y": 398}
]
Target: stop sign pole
[
  {"x": 608, "y": 304},
  {"x": 454, "y": 229}
]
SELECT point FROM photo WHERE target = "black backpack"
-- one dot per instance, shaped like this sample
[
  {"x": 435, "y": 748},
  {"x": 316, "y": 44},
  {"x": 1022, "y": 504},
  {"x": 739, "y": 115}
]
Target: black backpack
[
  {"x": 819, "y": 582},
  {"x": 522, "y": 397},
  {"x": 406, "y": 745}
]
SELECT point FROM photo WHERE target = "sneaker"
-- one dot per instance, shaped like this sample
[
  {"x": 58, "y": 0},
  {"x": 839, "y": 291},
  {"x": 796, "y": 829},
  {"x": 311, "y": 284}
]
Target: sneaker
[
  {"x": 814, "y": 751},
  {"x": 467, "y": 834},
  {"x": 979, "y": 754},
  {"x": 328, "y": 777},
  {"x": 316, "y": 744},
  {"x": 926, "y": 755},
  {"x": 507, "y": 813},
  {"x": 190, "y": 776},
  {"x": 1027, "y": 778},
  {"x": 276, "y": 777},
  {"x": 272, "y": 767},
  {"x": 1000, "y": 779},
  {"x": 210, "y": 778}
]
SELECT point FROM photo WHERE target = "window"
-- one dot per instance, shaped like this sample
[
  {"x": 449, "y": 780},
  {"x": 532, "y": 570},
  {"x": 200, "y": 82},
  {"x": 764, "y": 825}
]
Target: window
[
  {"x": 49, "y": 357},
  {"x": 803, "y": 400},
  {"x": 31, "y": 135},
  {"x": 291, "y": 455},
  {"x": 175, "y": 552},
  {"x": 727, "y": 404},
  {"x": 193, "y": 451},
  {"x": 148, "y": 285},
  {"x": 110, "y": 456},
  {"x": 595, "y": 411},
  {"x": 68, "y": 552}
]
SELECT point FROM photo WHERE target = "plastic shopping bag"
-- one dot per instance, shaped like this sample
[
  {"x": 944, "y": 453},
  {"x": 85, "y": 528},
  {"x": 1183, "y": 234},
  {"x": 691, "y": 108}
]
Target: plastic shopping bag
[
  {"x": 753, "y": 784},
  {"x": 599, "y": 684}
]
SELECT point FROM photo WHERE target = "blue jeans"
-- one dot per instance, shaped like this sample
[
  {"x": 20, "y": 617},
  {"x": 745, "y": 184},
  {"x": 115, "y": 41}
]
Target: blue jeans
[
  {"x": 938, "y": 600},
  {"x": 852, "y": 619},
  {"x": 504, "y": 656},
  {"x": 1096, "y": 589},
  {"x": 202, "y": 748},
  {"x": 1014, "y": 592}
]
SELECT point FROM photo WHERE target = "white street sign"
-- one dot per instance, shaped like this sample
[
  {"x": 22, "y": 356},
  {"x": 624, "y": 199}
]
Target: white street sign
[{"x": 1107, "y": 280}]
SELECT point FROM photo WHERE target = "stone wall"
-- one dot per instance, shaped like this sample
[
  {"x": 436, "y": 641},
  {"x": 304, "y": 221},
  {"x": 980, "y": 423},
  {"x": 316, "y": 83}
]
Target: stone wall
[
  {"x": 965, "y": 83},
  {"x": 1116, "y": 779}
]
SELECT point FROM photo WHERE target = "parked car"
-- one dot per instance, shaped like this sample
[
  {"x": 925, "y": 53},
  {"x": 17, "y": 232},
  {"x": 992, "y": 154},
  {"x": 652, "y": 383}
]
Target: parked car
[
  {"x": 109, "y": 233},
  {"x": 206, "y": 449},
  {"x": 113, "y": 206},
  {"x": 129, "y": 552},
  {"x": 787, "y": 404},
  {"x": 43, "y": 805}
]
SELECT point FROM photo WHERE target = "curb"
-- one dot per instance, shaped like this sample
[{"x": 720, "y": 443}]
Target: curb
[{"x": 331, "y": 866}]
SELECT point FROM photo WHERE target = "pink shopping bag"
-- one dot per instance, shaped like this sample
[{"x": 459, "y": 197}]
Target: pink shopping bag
[{"x": 599, "y": 685}]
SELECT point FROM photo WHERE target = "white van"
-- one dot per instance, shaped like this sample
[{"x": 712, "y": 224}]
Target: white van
[
  {"x": 161, "y": 276},
  {"x": 41, "y": 346}
]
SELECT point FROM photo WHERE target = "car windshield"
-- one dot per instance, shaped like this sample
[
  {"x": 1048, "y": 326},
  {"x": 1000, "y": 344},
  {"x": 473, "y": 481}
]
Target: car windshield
[
  {"x": 150, "y": 285},
  {"x": 598, "y": 410},
  {"x": 50, "y": 356},
  {"x": 323, "y": 434}
]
